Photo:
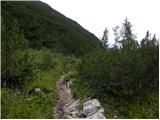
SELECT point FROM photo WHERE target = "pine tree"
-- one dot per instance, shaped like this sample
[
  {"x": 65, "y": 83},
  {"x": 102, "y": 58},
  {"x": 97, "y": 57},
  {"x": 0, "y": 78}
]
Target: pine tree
[
  {"x": 105, "y": 38},
  {"x": 124, "y": 34},
  {"x": 146, "y": 39}
]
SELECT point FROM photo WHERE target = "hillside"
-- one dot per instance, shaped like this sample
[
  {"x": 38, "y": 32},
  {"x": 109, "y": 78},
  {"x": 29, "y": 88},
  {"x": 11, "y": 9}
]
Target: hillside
[
  {"x": 38, "y": 44},
  {"x": 44, "y": 26}
]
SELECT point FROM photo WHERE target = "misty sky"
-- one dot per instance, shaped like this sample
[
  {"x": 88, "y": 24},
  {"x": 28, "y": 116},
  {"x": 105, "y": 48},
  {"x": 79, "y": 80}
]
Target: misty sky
[{"x": 95, "y": 15}]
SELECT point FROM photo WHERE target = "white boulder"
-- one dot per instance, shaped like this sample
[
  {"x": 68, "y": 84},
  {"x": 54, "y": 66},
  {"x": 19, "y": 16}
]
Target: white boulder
[{"x": 90, "y": 107}]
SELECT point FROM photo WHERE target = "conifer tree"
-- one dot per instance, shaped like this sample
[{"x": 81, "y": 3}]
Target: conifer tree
[
  {"x": 105, "y": 38},
  {"x": 124, "y": 34}
]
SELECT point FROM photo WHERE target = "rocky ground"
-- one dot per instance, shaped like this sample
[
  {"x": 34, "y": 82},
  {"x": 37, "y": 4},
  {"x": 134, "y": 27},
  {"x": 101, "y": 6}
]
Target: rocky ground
[
  {"x": 65, "y": 97},
  {"x": 67, "y": 107}
]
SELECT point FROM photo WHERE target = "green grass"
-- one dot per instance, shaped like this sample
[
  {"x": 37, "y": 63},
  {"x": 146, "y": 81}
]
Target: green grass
[
  {"x": 31, "y": 106},
  {"x": 141, "y": 108},
  {"x": 44, "y": 79},
  {"x": 39, "y": 106},
  {"x": 36, "y": 106}
]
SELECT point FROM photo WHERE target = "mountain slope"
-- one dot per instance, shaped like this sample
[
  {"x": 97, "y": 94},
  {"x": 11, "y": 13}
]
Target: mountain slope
[
  {"x": 38, "y": 44},
  {"x": 44, "y": 26}
]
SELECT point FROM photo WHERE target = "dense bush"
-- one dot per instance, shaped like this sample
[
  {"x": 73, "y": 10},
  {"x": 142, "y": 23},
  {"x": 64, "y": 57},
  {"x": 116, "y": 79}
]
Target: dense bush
[
  {"x": 12, "y": 40},
  {"x": 43, "y": 59},
  {"x": 121, "y": 72},
  {"x": 25, "y": 63}
]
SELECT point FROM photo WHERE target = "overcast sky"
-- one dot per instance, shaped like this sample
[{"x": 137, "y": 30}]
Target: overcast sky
[{"x": 95, "y": 15}]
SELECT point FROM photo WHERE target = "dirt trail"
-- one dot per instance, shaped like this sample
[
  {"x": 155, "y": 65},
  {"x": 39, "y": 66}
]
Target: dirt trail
[{"x": 65, "y": 97}]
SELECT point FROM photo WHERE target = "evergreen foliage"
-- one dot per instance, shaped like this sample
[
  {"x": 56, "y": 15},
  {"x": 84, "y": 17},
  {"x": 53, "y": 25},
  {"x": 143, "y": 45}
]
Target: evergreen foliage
[
  {"x": 125, "y": 75},
  {"x": 105, "y": 38}
]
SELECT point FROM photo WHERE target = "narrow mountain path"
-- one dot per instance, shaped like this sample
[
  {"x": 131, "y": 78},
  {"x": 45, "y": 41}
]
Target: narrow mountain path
[
  {"x": 66, "y": 107},
  {"x": 65, "y": 97}
]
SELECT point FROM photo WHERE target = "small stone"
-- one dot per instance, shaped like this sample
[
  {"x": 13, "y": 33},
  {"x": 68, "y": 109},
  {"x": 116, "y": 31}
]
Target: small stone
[{"x": 38, "y": 90}]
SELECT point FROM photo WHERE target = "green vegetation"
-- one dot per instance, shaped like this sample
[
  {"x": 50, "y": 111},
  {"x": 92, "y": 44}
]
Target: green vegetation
[
  {"x": 45, "y": 27},
  {"x": 39, "y": 44},
  {"x": 34, "y": 40},
  {"x": 16, "y": 100},
  {"x": 124, "y": 79},
  {"x": 39, "y": 106}
]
